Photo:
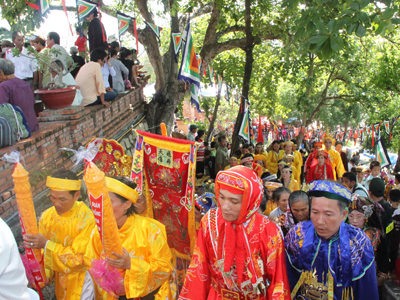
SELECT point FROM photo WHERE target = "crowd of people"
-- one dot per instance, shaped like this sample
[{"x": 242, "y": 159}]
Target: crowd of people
[
  {"x": 258, "y": 235},
  {"x": 100, "y": 73}
]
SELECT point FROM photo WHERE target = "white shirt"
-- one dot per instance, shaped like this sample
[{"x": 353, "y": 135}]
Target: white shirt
[
  {"x": 106, "y": 71},
  {"x": 360, "y": 190},
  {"x": 69, "y": 80},
  {"x": 24, "y": 66},
  {"x": 13, "y": 282},
  {"x": 62, "y": 55}
]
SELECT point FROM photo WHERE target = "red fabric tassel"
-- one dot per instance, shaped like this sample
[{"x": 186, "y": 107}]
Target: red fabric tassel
[
  {"x": 102, "y": 26},
  {"x": 66, "y": 13},
  {"x": 34, "y": 6},
  {"x": 260, "y": 137},
  {"x": 137, "y": 41},
  {"x": 373, "y": 135}
]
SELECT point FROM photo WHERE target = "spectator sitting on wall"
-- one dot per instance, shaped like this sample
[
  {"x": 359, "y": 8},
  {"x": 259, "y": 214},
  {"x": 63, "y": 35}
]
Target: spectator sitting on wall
[
  {"x": 17, "y": 92},
  {"x": 90, "y": 80},
  {"x": 79, "y": 60}
]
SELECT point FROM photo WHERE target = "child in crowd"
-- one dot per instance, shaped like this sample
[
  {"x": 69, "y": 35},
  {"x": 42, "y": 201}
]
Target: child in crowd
[{"x": 209, "y": 163}]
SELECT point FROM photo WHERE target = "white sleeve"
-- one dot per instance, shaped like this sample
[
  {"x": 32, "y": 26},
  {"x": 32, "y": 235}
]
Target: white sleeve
[{"x": 112, "y": 71}]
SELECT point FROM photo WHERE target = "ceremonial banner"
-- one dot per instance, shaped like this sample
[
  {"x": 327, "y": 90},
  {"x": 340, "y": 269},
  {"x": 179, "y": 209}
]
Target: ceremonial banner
[
  {"x": 85, "y": 8},
  {"x": 167, "y": 166},
  {"x": 156, "y": 29},
  {"x": 189, "y": 70},
  {"x": 382, "y": 155},
  {"x": 194, "y": 97},
  {"x": 220, "y": 81},
  {"x": 123, "y": 23}
]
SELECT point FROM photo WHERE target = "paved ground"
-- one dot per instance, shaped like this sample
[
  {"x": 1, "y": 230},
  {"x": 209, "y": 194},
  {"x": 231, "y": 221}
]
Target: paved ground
[{"x": 392, "y": 291}]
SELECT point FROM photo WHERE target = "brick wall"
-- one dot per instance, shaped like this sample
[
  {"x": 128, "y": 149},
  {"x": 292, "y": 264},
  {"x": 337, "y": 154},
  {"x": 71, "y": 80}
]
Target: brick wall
[{"x": 66, "y": 128}]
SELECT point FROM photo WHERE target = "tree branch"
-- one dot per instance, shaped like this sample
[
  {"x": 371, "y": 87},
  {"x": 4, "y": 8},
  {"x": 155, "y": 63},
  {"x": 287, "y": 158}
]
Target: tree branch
[
  {"x": 229, "y": 30},
  {"x": 341, "y": 97},
  {"x": 202, "y": 10}
]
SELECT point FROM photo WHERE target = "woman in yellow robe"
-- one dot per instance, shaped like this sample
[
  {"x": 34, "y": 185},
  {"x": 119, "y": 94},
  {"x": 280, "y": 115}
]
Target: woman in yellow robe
[{"x": 147, "y": 257}]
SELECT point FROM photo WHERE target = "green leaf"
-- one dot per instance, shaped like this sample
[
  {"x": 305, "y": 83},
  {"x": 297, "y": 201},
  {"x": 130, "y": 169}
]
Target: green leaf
[
  {"x": 352, "y": 28},
  {"x": 388, "y": 13},
  {"x": 331, "y": 25},
  {"x": 336, "y": 43},
  {"x": 363, "y": 17},
  {"x": 381, "y": 29},
  {"x": 395, "y": 21},
  {"x": 317, "y": 39},
  {"x": 361, "y": 30},
  {"x": 354, "y": 5}
]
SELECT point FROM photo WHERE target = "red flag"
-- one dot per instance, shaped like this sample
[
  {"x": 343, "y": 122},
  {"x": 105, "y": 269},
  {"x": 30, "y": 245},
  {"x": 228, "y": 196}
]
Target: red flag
[
  {"x": 137, "y": 41},
  {"x": 33, "y": 5},
  {"x": 66, "y": 13},
  {"x": 373, "y": 135},
  {"x": 260, "y": 136},
  {"x": 351, "y": 132}
]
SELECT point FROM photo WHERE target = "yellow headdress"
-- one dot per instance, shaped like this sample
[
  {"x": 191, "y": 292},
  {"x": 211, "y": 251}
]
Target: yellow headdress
[
  {"x": 328, "y": 137},
  {"x": 59, "y": 184},
  {"x": 288, "y": 143},
  {"x": 261, "y": 157},
  {"x": 117, "y": 187}
]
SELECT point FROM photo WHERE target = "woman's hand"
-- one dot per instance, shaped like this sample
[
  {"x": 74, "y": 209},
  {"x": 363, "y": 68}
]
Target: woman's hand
[{"x": 122, "y": 261}]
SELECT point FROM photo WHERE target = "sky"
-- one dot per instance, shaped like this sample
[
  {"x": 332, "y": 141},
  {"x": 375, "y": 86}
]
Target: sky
[{"x": 57, "y": 21}]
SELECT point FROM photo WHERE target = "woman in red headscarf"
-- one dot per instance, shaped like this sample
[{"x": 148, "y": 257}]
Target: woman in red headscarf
[
  {"x": 321, "y": 167},
  {"x": 237, "y": 250}
]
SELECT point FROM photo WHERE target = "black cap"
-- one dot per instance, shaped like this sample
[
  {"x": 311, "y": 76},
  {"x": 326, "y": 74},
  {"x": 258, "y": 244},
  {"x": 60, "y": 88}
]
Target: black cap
[
  {"x": 193, "y": 126},
  {"x": 377, "y": 187}
]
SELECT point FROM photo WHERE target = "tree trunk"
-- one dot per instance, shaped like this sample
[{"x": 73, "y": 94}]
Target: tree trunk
[
  {"x": 397, "y": 166},
  {"x": 214, "y": 117},
  {"x": 248, "y": 69}
]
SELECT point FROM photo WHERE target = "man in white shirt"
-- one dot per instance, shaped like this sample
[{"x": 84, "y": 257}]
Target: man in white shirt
[
  {"x": 13, "y": 282},
  {"x": 25, "y": 67},
  {"x": 53, "y": 42},
  {"x": 108, "y": 70}
]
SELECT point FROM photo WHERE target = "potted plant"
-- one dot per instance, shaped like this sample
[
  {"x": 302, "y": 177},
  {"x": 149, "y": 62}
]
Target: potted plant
[{"x": 56, "y": 95}]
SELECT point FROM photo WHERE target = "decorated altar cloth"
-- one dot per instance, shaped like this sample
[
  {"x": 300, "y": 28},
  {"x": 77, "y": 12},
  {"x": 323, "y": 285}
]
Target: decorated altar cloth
[{"x": 167, "y": 165}]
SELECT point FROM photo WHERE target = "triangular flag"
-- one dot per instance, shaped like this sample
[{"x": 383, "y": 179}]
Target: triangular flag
[
  {"x": 260, "y": 136},
  {"x": 85, "y": 8},
  {"x": 123, "y": 23},
  {"x": 244, "y": 131},
  {"x": 386, "y": 123},
  {"x": 194, "y": 97},
  {"x": 177, "y": 42},
  {"x": 227, "y": 92},
  {"x": 44, "y": 6},
  {"x": 220, "y": 81},
  {"x": 156, "y": 29},
  {"x": 34, "y": 6},
  {"x": 381, "y": 154},
  {"x": 210, "y": 74},
  {"x": 189, "y": 70}
]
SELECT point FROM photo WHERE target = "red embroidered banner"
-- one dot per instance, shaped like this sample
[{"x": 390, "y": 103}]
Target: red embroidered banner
[
  {"x": 97, "y": 209},
  {"x": 167, "y": 166}
]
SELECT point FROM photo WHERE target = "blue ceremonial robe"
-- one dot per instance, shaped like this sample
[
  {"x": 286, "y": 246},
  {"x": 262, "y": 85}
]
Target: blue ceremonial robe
[{"x": 326, "y": 269}]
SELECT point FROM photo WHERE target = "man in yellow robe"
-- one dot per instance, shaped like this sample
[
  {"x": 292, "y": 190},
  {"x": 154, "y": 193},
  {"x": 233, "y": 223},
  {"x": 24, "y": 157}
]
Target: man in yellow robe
[
  {"x": 64, "y": 233},
  {"x": 334, "y": 156},
  {"x": 272, "y": 157},
  {"x": 147, "y": 257},
  {"x": 288, "y": 150}
]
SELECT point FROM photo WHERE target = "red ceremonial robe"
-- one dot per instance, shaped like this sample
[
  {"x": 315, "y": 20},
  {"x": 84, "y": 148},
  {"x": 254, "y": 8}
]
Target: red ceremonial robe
[{"x": 204, "y": 279}]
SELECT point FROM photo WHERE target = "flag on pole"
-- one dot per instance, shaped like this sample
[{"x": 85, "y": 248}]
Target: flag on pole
[
  {"x": 177, "y": 43},
  {"x": 123, "y": 23},
  {"x": 85, "y": 8},
  {"x": 189, "y": 70},
  {"x": 210, "y": 74},
  {"x": 194, "y": 97},
  {"x": 382, "y": 155},
  {"x": 156, "y": 30}
]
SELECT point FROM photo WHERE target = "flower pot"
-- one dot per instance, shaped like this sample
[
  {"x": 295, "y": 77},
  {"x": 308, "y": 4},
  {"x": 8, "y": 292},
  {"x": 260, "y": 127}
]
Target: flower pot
[{"x": 57, "y": 99}]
